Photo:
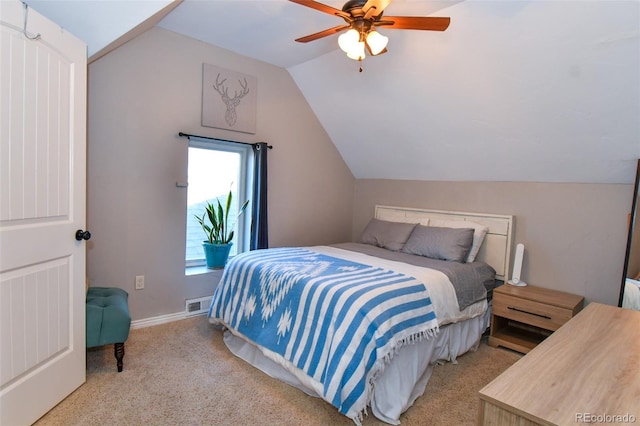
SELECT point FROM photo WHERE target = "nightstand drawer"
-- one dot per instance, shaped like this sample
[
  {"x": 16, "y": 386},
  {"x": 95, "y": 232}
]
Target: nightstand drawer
[{"x": 530, "y": 312}]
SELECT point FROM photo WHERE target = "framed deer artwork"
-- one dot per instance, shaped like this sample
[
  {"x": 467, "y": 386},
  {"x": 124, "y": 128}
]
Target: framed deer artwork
[{"x": 229, "y": 99}]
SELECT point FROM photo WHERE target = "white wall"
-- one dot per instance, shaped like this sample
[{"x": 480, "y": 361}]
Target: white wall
[{"x": 140, "y": 96}]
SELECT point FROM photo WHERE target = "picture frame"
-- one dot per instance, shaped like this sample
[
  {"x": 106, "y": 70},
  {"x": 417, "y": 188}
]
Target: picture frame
[{"x": 229, "y": 99}]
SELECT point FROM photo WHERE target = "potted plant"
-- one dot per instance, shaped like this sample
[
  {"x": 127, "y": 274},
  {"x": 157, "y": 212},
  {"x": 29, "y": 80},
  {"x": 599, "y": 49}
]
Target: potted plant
[{"x": 219, "y": 232}]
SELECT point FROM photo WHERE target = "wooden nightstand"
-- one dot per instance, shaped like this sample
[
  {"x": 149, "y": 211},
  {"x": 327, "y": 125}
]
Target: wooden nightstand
[{"x": 522, "y": 317}]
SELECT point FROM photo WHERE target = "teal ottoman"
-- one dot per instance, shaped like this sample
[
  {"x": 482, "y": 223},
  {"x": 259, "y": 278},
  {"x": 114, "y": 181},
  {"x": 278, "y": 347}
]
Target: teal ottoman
[{"x": 108, "y": 319}]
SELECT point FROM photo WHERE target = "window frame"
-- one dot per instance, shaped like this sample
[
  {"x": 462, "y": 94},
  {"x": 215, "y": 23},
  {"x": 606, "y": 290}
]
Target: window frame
[{"x": 244, "y": 190}]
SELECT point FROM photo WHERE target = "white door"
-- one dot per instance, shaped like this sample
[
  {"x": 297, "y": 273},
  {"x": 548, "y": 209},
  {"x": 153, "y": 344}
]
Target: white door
[{"x": 42, "y": 204}]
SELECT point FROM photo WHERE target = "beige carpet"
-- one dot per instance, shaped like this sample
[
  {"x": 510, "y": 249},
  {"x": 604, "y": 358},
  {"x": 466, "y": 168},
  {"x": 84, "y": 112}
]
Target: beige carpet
[{"x": 182, "y": 374}]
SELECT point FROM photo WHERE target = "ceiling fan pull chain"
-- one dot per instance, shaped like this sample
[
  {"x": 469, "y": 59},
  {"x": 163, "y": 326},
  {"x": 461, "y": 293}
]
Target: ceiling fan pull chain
[{"x": 360, "y": 65}]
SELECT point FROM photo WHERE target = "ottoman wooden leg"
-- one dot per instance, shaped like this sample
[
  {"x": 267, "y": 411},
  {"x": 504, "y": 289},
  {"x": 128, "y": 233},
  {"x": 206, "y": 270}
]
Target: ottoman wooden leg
[{"x": 118, "y": 349}]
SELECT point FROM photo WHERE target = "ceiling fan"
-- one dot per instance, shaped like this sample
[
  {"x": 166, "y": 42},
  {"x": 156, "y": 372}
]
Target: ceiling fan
[{"x": 362, "y": 17}]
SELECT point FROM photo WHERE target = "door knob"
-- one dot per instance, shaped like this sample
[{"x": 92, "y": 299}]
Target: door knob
[{"x": 82, "y": 235}]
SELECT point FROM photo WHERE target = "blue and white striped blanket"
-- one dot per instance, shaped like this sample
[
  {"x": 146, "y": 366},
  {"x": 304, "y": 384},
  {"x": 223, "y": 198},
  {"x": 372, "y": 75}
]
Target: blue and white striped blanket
[{"x": 336, "y": 320}]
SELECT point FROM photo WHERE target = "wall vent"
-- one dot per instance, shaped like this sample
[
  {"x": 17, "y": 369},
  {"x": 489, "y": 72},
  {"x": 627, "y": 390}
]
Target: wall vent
[{"x": 198, "y": 306}]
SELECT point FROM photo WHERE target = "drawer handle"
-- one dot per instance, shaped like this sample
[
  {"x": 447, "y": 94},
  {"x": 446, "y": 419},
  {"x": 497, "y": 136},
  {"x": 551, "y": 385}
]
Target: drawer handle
[{"x": 527, "y": 312}]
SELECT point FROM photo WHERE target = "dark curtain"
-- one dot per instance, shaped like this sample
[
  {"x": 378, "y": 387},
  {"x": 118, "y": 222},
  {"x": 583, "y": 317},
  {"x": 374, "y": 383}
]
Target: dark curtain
[{"x": 259, "y": 219}]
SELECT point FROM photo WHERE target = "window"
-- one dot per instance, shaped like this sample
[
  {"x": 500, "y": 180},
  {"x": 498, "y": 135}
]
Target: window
[{"x": 215, "y": 167}]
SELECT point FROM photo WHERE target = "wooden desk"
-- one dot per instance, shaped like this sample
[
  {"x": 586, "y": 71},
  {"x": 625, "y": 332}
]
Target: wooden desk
[{"x": 589, "y": 367}]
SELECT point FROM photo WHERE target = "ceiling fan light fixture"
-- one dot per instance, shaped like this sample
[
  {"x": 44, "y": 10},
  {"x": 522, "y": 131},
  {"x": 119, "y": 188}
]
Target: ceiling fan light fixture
[
  {"x": 377, "y": 42},
  {"x": 349, "y": 40},
  {"x": 357, "y": 51},
  {"x": 361, "y": 16}
]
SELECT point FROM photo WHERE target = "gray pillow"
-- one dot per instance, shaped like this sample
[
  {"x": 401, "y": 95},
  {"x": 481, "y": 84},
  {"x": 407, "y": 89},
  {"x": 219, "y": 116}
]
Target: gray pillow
[
  {"x": 440, "y": 243},
  {"x": 389, "y": 235}
]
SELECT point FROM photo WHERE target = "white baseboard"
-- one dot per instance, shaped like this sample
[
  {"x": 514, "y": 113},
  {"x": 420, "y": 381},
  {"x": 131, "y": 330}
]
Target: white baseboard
[{"x": 162, "y": 319}]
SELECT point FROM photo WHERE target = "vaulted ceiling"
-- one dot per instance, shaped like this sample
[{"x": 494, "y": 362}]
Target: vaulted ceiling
[{"x": 544, "y": 91}]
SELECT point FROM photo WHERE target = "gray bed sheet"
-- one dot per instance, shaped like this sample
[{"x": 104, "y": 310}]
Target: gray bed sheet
[{"x": 471, "y": 281}]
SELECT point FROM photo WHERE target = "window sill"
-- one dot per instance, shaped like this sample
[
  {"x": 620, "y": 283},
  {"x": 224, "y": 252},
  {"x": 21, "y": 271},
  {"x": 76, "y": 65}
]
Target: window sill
[{"x": 199, "y": 270}]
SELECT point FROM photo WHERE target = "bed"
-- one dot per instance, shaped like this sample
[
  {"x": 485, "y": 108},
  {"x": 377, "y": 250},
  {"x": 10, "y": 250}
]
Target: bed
[{"x": 362, "y": 324}]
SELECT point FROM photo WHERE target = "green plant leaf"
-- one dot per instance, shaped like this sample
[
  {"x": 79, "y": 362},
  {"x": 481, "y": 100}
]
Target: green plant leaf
[
  {"x": 215, "y": 220},
  {"x": 221, "y": 224}
]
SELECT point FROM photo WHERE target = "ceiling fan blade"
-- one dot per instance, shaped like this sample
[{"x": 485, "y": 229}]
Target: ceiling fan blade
[
  {"x": 414, "y": 23},
  {"x": 322, "y": 7},
  {"x": 373, "y": 8},
  {"x": 324, "y": 33}
]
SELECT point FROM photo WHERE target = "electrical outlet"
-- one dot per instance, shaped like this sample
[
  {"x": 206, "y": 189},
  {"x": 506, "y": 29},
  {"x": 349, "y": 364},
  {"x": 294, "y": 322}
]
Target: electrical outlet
[{"x": 139, "y": 282}]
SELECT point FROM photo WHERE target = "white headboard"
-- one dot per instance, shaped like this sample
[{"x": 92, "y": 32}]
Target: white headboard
[{"x": 496, "y": 248}]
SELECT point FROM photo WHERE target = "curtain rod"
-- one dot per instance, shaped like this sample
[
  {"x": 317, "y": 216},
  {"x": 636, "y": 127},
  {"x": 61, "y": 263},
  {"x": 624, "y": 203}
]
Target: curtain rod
[{"x": 187, "y": 135}]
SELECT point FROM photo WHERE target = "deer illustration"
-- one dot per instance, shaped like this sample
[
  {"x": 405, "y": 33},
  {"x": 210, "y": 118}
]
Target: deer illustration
[{"x": 230, "y": 115}]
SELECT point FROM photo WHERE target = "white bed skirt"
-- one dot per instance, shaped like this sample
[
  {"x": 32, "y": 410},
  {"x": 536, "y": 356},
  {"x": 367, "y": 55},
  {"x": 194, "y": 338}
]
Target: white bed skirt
[{"x": 403, "y": 380}]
